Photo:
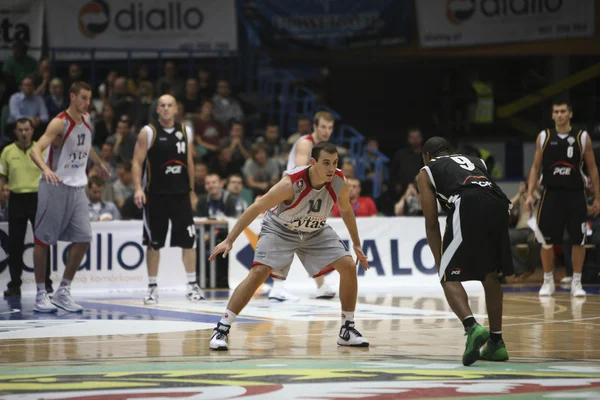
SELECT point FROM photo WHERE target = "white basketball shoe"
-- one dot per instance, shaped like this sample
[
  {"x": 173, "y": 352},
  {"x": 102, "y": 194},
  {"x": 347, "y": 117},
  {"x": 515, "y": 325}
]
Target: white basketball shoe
[
  {"x": 151, "y": 295},
  {"x": 219, "y": 338},
  {"x": 349, "y": 336},
  {"x": 43, "y": 303},
  {"x": 62, "y": 299}
]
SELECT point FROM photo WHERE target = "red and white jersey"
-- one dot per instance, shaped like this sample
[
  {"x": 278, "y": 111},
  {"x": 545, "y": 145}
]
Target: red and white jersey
[
  {"x": 309, "y": 210},
  {"x": 69, "y": 160},
  {"x": 292, "y": 157}
]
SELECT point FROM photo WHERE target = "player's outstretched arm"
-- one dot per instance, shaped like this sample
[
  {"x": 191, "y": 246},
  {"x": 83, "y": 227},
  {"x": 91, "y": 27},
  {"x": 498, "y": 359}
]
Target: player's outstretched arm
[
  {"x": 53, "y": 132},
  {"x": 534, "y": 174},
  {"x": 430, "y": 212},
  {"x": 590, "y": 163},
  {"x": 139, "y": 155},
  {"x": 349, "y": 219},
  {"x": 283, "y": 191}
]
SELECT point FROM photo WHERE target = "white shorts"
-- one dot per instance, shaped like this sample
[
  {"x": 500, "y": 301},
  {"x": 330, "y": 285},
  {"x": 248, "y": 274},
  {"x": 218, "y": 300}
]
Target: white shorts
[
  {"x": 316, "y": 250},
  {"x": 62, "y": 214}
]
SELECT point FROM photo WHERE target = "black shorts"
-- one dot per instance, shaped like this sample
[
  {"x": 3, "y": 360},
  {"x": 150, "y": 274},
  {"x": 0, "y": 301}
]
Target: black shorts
[
  {"x": 159, "y": 209},
  {"x": 562, "y": 209},
  {"x": 476, "y": 239}
]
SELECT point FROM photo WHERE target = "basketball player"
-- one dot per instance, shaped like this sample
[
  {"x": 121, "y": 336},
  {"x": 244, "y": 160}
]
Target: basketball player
[
  {"x": 476, "y": 246},
  {"x": 300, "y": 156},
  {"x": 295, "y": 219},
  {"x": 167, "y": 193},
  {"x": 559, "y": 155},
  {"x": 62, "y": 211}
]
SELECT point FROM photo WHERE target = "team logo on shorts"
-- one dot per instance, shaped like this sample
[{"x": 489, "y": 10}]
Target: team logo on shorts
[{"x": 299, "y": 185}]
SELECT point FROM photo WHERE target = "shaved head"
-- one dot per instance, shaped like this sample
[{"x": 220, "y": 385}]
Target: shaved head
[
  {"x": 166, "y": 109},
  {"x": 166, "y": 98}
]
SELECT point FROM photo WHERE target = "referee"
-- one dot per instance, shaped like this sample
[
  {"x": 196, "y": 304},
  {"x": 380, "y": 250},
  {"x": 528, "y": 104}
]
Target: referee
[{"x": 23, "y": 175}]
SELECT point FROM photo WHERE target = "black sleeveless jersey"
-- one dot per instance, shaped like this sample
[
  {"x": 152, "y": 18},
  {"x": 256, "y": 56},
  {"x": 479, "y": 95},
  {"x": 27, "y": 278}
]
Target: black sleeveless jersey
[
  {"x": 453, "y": 173},
  {"x": 166, "y": 162},
  {"x": 562, "y": 159}
]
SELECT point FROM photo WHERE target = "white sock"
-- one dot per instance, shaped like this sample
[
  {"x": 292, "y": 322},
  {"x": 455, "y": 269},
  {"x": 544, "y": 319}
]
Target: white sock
[
  {"x": 228, "y": 317},
  {"x": 65, "y": 282},
  {"x": 576, "y": 276},
  {"x": 549, "y": 276},
  {"x": 347, "y": 316},
  {"x": 191, "y": 277},
  {"x": 278, "y": 284},
  {"x": 497, "y": 333},
  {"x": 41, "y": 287},
  {"x": 152, "y": 280}
]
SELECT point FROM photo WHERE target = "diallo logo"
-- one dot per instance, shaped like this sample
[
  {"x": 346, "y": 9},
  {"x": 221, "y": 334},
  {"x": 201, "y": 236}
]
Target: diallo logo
[
  {"x": 94, "y": 18},
  {"x": 458, "y": 11}
]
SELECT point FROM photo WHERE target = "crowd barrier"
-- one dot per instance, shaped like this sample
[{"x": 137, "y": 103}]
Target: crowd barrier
[{"x": 396, "y": 248}]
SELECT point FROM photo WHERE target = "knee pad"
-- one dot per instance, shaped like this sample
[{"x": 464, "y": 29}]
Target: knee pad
[{"x": 547, "y": 246}]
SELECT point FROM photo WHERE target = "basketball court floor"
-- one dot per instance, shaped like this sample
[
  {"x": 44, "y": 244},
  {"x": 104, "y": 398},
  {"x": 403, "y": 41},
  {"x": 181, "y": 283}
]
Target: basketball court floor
[{"x": 120, "y": 349}]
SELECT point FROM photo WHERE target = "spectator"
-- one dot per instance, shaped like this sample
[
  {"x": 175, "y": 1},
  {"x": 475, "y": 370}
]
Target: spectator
[
  {"x": 108, "y": 158},
  {"x": 170, "y": 77},
  {"x": 100, "y": 210},
  {"x": 191, "y": 99},
  {"x": 124, "y": 103},
  {"x": 200, "y": 172},
  {"x": 7, "y": 88},
  {"x": 42, "y": 78},
  {"x": 106, "y": 126},
  {"x": 4, "y": 198},
  {"x": 260, "y": 172},
  {"x": 369, "y": 161},
  {"x": 303, "y": 127},
  {"x": 73, "y": 76},
  {"x": 123, "y": 187},
  {"x": 205, "y": 87},
  {"x": 221, "y": 165},
  {"x": 410, "y": 202},
  {"x": 19, "y": 65},
  {"x": 123, "y": 140},
  {"x": 235, "y": 186},
  {"x": 216, "y": 203},
  {"x": 106, "y": 88},
  {"x": 227, "y": 108},
  {"x": 348, "y": 169},
  {"x": 239, "y": 146},
  {"x": 55, "y": 100},
  {"x": 209, "y": 132},
  {"x": 140, "y": 86},
  {"x": 362, "y": 206},
  {"x": 407, "y": 162},
  {"x": 26, "y": 104},
  {"x": 524, "y": 264},
  {"x": 275, "y": 144}
]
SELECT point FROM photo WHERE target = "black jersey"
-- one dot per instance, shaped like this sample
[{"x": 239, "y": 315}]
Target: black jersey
[
  {"x": 167, "y": 162},
  {"x": 453, "y": 173},
  {"x": 562, "y": 159}
]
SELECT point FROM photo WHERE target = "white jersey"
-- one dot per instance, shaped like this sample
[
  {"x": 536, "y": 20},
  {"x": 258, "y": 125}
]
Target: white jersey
[
  {"x": 292, "y": 157},
  {"x": 309, "y": 210},
  {"x": 69, "y": 160}
]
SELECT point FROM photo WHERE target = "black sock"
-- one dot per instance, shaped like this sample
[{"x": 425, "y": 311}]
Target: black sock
[
  {"x": 469, "y": 322},
  {"x": 152, "y": 285},
  {"x": 495, "y": 337}
]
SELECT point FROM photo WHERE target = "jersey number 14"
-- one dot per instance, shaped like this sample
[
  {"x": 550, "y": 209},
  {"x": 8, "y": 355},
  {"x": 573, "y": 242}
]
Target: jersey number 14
[{"x": 180, "y": 147}]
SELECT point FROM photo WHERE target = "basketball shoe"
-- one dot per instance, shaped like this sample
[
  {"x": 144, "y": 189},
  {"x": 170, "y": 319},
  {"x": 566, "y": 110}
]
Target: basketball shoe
[
  {"x": 219, "y": 337},
  {"x": 547, "y": 288},
  {"x": 325, "y": 292},
  {"x": 349, "y": 336},
  {"x": 477, "y": 335},
  {"x": 62, "y": 299},
  {"x": 152, "y": 295},
  {"x": 194, "y": 293},
  {"x": 494, "y": 351},
  {"x": 43, "y": 303}
]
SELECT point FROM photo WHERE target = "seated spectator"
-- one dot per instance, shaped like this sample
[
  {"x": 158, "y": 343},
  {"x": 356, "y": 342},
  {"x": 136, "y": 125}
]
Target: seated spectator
[
  {"x": 526, "y": 263},
  {"x": 191, "y": 99},
  {"x": 123, "y": 140},
  {"x": 130, "y": 211},
  {"x": 55, "y": 100},
  {"x": 216, "y": 203},
  {"x": 235, "y": 186},
  {"x": 42, "y": 78},
  {"x": 140, "y": 86},
  {"x": 362, "y": 206},
  {"x": 227, "y": 108},
  {"x": 7, "y": 88},
  {"x": 170, "y": 77},
  {"x": 105, "y": 127},
  {"x": 303, "y": 127},
  {"x": 275, "y": 144},
  {"x": 19, "y": 65},
  {"x": 348, "y": 169},
  {"x": 200, "y": 172},
  {"x": 209, "y": 132},
  {"x": 238, "y": 144},
  {"x": 222, "y": 165},
  {"x": 26, "y": 104},
  {"x": 260, "y": 171},
  {"x": 123, "y": 187},
  {"x": 406, "y": 163},
  {"x": 100, "y": 210},
  {"x": 74, "y": 75},
  {"x": 369, "y": 160},
  {"x": 107, "y": 156},
  {"x": 410, "y": 202},
  {"x": 205, "y": 87},
  {"x": 4, "y": 198},
  {"x": 124, "y": 103},
  {"x": 105, "y": 89}
]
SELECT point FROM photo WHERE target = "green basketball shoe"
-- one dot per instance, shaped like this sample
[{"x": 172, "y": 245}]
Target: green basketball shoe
[
  {"x": 477, "y": 335},
  {"x": 494, "y": 351}
]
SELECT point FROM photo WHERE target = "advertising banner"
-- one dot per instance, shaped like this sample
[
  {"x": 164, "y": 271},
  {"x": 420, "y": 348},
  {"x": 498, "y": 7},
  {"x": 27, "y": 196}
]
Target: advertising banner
[
  {"x": 21, "y": 20},
  {"x": 444, "y": 23},
  {"x": 326, "y": 24},
  {"x": 208, "y": 25}
]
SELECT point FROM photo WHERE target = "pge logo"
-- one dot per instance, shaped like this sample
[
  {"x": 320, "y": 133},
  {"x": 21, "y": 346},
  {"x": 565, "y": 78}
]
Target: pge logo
[
  {"x": 94, "y": 18},
  {"x": 459, "y": 11},
  {"x": 4, "y": 251}
]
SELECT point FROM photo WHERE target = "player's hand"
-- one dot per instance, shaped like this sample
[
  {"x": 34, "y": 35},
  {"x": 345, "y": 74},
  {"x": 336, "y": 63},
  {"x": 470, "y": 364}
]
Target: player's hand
[
  {"x": 139, "y": 198},
  {"x": 51, "y": 177},
  {"x": 529, "y": 203},
  {"x": 360, "y": 257},
  {"x": 102, "y": 171},
  {"x": 223, "y": 247},
  {"x": 596, "y": 207}
]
